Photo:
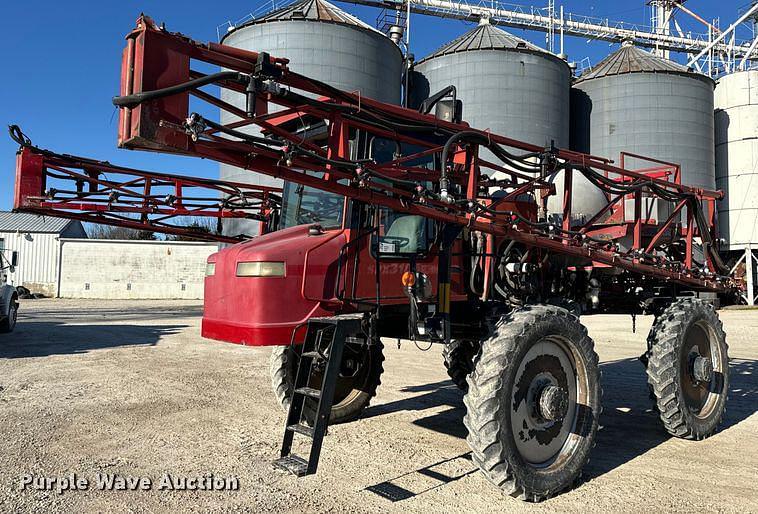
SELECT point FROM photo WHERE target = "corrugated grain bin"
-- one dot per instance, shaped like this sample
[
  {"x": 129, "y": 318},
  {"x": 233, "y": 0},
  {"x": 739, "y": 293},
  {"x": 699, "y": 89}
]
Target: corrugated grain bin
[
  {"x": 510, "y": 87},
  {"x": 322, "y": 42},
  {"x": 637, "y": 102}
]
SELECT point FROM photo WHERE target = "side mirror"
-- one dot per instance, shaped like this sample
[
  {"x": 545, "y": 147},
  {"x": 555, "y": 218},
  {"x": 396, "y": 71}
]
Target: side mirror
[{"x": 14, "y": 259}]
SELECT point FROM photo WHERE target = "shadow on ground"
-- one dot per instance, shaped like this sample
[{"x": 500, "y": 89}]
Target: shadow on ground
[
  {"x": 630, "y": 426},
  {"x": 110, "y": 314},
  {"x": 43, "y": 338}
]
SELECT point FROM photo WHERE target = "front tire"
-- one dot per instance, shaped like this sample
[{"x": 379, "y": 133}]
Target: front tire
[
  {"x": 9, "y": 323},
  {"x": 352, "y": 394},
  {"x": 688, "y": 368},
  {"x": 533, "y": 402}
]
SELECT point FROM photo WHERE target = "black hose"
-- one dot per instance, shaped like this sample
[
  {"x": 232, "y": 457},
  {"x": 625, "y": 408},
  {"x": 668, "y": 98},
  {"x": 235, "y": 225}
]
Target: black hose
[
  {"x": 18, "y": 136},
  {"x": 466, "y": 134},
  {"x": 520, "y": 162},
  {"x": 131, "y": 101},
  {"x": 343, "y": 164},
  {"x": 236, "y": 133}
]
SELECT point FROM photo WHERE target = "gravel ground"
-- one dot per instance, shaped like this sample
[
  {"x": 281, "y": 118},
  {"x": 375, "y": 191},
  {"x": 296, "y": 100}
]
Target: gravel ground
[{"x": 130, "y": 388}]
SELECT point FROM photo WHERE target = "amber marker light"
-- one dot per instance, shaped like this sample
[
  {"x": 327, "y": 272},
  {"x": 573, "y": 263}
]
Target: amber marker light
[{"x": 409, "y": 279}]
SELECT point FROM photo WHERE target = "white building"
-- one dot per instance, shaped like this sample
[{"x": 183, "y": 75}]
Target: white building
[
  {"x": 37, "y": 241},
  {"x": 113, "y": 269},
  {"x": 55, "y": 258}
]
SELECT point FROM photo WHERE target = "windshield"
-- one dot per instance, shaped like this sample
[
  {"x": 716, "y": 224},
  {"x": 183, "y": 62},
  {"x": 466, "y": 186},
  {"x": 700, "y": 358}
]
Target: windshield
[{"x": 303, "y": 204}]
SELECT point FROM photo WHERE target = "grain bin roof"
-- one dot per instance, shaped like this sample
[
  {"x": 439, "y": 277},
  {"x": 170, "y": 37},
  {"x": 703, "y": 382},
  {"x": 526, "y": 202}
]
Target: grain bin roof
[
  {"x": 23, "y": 222},
  {"x": 487, "y": 37},
  {"x": 312, "y": 10},
  {"x": 630, "y": 59}
]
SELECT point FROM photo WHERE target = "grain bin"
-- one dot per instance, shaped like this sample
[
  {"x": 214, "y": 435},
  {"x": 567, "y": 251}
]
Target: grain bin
[
  {"x": 322, "y": 42},
  {"x": 637, "y": 102},
  {"x": 507, "y": 84},
  {"x": 736, "y": 103},
  {"x": 510, "y": 87}
]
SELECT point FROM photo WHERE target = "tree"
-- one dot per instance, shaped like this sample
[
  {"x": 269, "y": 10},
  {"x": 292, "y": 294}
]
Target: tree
[
  {"x": 124, "y": 233},
  {"x": 198, "y": 224}
]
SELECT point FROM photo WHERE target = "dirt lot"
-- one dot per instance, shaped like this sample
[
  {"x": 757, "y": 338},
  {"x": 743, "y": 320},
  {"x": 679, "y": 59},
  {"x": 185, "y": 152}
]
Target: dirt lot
[{"x": 131, "y": 388}]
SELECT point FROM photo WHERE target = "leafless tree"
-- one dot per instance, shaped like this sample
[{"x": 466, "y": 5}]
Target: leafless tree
[{"x": 110, "y": 232}]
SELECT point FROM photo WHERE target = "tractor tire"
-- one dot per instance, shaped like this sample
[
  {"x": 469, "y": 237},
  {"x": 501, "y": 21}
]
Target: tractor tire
[
  {"x": 533, "y": 402},
  {"x": 688, "y": 368},
  {"x": 570, "y": 305},
  {"x": 352, "y": 394},
  {"x": 9, "y": 323},
  {"x": 459, "y": 361}
]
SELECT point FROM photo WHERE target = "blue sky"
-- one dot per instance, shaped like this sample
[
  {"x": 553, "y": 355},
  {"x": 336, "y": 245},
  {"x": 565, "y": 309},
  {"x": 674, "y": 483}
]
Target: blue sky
[{"x": 61, "y": 62}]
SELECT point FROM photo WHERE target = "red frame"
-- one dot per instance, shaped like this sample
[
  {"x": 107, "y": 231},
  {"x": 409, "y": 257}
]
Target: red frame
[
  {"x": 155, "y": 58},
  {"x": 99, "y": 192}
]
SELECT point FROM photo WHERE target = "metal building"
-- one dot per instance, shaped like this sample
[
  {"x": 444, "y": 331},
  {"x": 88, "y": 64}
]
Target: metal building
[
  {"x": 637, "y": 102},
  {"x": 736, "y": 103},
  {"x": 322, "y": 42},
  {"x": 37, "y": 239}
]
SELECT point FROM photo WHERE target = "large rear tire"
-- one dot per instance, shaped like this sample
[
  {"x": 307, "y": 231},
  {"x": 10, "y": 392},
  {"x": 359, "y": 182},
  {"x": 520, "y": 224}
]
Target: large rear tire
[
  {"x": 357, "y": 384},
  {"x": 533, "y": 402},
  {"x": 459, "y": 361},
  {"x": 688, "y": 368}
]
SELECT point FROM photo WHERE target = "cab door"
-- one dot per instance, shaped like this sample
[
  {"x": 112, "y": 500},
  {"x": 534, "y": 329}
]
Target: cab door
[{"x": 385, "y": 244}]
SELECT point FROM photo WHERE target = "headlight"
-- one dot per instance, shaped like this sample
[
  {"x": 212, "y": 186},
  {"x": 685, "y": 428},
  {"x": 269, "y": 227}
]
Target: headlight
[
  {"x": 210, "y": 269},
  {"x": 260, "y": 269}
]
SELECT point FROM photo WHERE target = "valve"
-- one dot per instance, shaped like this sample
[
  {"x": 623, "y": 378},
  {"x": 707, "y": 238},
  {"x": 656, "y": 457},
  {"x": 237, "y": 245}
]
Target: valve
[{"x": 194, "y": 126}]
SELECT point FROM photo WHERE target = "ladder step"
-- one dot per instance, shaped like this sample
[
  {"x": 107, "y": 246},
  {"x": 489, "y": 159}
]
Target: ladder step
[
  {"x": 301, "y": 429},
  {"x": 309, "y": 391},
  {"x": 294, "y": 464},
  {"x": 333, "y": 320},
  {"x": 324, "y": 344}
]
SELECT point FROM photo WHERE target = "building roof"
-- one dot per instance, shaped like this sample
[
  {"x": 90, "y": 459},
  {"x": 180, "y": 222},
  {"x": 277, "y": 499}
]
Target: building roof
[
  {"x": 312, "y": 10},
  {"x": 630, "y": 59},
  {"x": 486, "y": 37},
  {"x": 23, "y": 222}
]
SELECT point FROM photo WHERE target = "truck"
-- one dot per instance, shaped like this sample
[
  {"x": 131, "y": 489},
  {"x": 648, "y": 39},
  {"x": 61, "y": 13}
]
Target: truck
[
  {"x": 392, "y": 225},
  {"x": 8, "y": 293}
]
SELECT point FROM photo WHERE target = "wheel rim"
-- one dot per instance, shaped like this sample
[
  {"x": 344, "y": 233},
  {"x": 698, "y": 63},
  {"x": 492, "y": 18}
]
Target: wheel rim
[
  {"x": 355, "y": 371},
  {"x": 547, "y": 393},
  {"x": 701, "y": 352}
]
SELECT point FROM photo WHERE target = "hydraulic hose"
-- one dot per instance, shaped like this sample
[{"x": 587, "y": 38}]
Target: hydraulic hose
[
  {"x": 520, "y": 162},
  {"x": 131, "y": 101},
  {"x": 18, "y": 136},
  {"x": 236, "y": 133}
]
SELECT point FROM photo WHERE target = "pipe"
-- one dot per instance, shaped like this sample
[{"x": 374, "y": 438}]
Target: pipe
[
  {"x": 681, "y": 6},
  {"x": 753, "y": 46},
  {"x": 731, "y": 28}
]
